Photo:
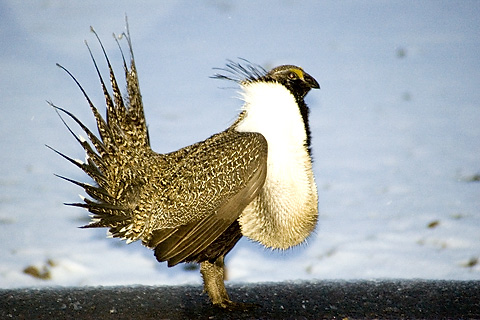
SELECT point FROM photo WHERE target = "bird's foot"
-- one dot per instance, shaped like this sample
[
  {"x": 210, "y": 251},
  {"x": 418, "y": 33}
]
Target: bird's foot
[{"x": 229, "y": 305}]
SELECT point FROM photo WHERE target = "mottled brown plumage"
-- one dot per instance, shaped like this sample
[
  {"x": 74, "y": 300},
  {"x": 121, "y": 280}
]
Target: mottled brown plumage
[{"x": 194, "y": 204}]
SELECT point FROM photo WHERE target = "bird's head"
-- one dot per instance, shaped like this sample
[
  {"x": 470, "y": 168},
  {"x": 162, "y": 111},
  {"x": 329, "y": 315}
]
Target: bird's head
[
  {"x": 297, "y": 81},
  {"x": 294, "y": 79}
]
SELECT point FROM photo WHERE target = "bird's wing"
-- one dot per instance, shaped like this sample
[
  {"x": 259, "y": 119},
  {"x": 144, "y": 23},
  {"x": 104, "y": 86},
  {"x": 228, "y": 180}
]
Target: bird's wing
[{"x": 210, "y": 192}]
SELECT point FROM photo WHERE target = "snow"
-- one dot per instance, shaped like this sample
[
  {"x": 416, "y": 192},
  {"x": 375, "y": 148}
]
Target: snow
[{"x": 395, "y": 128}]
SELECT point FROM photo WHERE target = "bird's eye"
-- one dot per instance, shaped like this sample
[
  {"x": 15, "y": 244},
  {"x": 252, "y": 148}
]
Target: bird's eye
[{"x": 292, "y": 75}]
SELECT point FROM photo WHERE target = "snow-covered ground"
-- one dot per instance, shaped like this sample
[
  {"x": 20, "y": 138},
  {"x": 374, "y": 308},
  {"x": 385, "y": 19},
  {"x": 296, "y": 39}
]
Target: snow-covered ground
[{"x": 396, "y": 131}]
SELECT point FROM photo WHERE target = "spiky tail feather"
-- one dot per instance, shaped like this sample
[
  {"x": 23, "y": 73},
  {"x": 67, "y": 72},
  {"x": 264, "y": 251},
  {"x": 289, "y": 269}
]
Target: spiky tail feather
[{"x": 113, "y": 159}]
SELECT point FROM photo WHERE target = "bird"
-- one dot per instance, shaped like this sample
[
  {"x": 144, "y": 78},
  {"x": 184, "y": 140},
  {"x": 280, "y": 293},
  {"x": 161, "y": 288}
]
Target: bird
[{"x": 253, "y": 179}]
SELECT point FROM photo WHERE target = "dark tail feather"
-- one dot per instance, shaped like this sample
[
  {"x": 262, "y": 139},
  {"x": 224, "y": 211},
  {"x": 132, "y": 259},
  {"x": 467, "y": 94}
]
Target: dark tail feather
[
  {"x": 88, "y": 168},
  {"x": 92, "y": 191},
  {"x": 131, "y": 119},
  {"x": 103, "y": 129},
  {"x": 136, "y": 116},
  {"x": 116, "y": 110},
  {"x": 99, "y": 146},
  {"x": 110, "y": 161}
]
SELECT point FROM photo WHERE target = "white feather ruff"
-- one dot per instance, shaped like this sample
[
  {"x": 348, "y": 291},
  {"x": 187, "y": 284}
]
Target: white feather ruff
[{"x": 285, "y": 212}]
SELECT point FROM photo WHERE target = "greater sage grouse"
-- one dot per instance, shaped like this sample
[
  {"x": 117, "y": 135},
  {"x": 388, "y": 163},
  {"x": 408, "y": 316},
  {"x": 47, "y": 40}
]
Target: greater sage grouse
[{"x": 254, "y": 179}]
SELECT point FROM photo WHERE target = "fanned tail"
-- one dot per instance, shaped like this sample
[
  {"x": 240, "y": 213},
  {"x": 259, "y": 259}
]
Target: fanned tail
[{"x": 114, "y": 158}]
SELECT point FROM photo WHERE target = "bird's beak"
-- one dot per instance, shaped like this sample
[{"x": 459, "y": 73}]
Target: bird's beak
[{"x": 310, "y": 81}]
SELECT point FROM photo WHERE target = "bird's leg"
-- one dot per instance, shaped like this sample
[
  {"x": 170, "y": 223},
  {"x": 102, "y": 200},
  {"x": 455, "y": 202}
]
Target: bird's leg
[
  {"x": 213, "y": 276},
  {"x": 213, "y": 282}
]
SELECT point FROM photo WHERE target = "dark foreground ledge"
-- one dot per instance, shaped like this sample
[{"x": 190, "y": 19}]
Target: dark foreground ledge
[{"x": 416, "y": 299}]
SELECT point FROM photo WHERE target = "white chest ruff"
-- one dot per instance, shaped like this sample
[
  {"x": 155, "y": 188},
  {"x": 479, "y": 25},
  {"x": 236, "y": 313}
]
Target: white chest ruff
[{"x": 285, "y": 212}]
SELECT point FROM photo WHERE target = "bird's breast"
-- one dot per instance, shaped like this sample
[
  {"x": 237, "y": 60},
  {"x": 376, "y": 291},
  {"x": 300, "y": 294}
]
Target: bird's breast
[{"x": 285, "y": 211}]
